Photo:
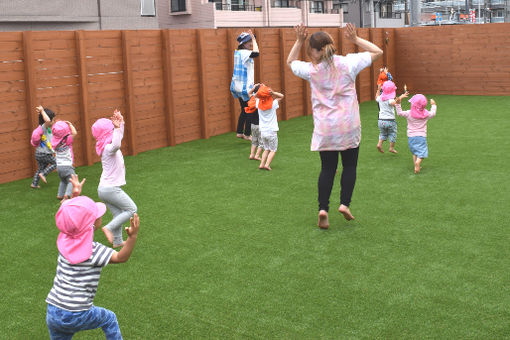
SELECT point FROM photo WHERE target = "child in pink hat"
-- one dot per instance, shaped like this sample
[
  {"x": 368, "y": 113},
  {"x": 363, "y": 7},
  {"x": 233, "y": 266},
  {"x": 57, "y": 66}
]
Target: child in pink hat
[
  {"x": 70, "y": 306},
  {"x": 62, "y": 142},
  {"x": 387, "y": 123},
  {"x": 417, "y": 118},
  {"x": 108, "y": 134}
]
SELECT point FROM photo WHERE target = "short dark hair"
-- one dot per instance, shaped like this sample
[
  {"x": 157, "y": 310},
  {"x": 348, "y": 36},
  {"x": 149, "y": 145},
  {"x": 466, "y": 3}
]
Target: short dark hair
[
  {"x": 256, "y": 88},
  {"x": 49, "y": 113}
]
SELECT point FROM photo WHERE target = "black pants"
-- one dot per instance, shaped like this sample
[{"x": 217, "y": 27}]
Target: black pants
[
  {"x": 244, "y": 122},
  {"x": 329, "y": 160}
]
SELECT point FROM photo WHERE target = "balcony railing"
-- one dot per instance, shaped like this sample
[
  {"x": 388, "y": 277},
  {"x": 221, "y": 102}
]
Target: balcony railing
[
  {"x": 390, "y": 15},
  {"x": 321, "y": 10},
  {"x": 237, "y": 7}
]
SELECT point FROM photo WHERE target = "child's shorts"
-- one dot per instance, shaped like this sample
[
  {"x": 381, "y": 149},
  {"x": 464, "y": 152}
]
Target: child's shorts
[
  {"x": 255, "y": 136},
  {"x": 418, "y": 146},
  {"x": 270, "y": 141},
  {"x": 387, "y": 130}
]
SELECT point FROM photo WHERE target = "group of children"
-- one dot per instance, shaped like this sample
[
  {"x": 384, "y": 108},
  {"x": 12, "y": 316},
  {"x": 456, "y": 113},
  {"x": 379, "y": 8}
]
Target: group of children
[
  {"x": 417, "y": 118},
  {"x": 70, "y": 301}
]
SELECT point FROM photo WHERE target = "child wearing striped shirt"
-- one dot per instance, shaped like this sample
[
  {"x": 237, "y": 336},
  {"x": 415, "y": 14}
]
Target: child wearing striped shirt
[{"x": 70, "y": 306}]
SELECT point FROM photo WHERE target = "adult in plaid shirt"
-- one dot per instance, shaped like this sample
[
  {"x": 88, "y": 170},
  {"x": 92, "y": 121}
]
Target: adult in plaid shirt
[{"x": 243, "y": 79}]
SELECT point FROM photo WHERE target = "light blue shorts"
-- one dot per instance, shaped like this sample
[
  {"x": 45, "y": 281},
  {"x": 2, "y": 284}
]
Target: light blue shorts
[
  {"x": 418, "y": 146},
  {"x": 387, "y": 130}
]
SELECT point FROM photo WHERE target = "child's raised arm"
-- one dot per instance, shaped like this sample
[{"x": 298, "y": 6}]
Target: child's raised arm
[
  {"x": 40, "y": 110},
  {"x": 73, "y": 129},
  {"x": 125, "y": 253},
  {"x": 276, "y": 95},
  {"x": 250, "y": 91}
]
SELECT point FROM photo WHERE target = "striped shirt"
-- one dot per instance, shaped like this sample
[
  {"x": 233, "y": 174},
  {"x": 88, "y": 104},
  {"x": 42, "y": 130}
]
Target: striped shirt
[
  {"x": 244, "y": 74},
  {"x": 337, "y": 125},
  {"x": 75, "y": 285}
]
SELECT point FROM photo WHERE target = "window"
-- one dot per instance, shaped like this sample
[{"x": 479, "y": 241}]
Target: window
[
  {"x": 317, "y": 7},
  {"x": 281, "y": 3},
  {"x": 339, "y": 6},
  {"x": 148, "y": 8},
  {"x": 178, "y": 5}
]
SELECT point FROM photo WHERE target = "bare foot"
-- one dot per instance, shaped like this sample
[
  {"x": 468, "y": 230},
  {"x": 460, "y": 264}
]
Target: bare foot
[
  {"x": 239, "y": 135},
  {"x": 344, "y": 210},
  {"x": 246, "y": 137},
  {"x": 268, "y": 168},
  {"x": 41, "y": 176},
  {"x": 34, "y": 186},
  {"x": 60, "y": 197},
  {"x": 258, "y": 158},
  {"x": 393, "y": 150},
  {"x": 108, "y": 234},
  {"x": 252, "y": 158},
  {"x": 379, "y": 147},
  {"x": 416, "y": 168},
  {"x": 262, "y": 168},
  {"x": 119, "y": 245},
  {"x": 323, "y": 219}
]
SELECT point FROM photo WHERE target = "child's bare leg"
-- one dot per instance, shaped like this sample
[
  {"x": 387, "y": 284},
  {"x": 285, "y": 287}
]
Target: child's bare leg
[
  {"x": 252, "y": 151},
  {"x": 323, "y": 219},
  {"x": 379, "y": 146},
  {"x": 108, "y": 234},
  {"x": 344, "y": 210},
  {"x": 414, "y": 159},
  {"x": 257, "y": 155},
  {"x": 269, "y": 160},
  {"x": 417, "y": 166},
  {"x": 392, "y": 147},
  {"x": 263, "y": 160}
]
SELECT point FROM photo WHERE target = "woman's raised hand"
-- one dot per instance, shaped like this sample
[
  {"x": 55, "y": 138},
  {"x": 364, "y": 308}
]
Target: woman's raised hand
[
  {"x": 301, "y": 32},
  {"x": 350, "y": 32}
]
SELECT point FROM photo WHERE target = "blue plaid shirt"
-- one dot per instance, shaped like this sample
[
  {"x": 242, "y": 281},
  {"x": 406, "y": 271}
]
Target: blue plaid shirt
[{"x": 243, "y": 77}]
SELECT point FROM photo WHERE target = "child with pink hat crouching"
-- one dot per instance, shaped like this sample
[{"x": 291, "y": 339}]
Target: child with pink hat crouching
[
  {"x": 62, "y": 142},
  {"x": 417, "y": 118},
  {"x": 70, "y": 301}
]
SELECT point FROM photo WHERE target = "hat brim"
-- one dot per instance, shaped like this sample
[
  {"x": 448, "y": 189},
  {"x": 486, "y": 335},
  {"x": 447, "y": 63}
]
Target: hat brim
[{"x": 101, "y": 209}]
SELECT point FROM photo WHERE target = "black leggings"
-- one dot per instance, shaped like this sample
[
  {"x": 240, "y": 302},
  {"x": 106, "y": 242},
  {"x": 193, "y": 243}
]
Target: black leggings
[
  {"x": 329, "y": 160},
  {"x": 244, "y": 122}
]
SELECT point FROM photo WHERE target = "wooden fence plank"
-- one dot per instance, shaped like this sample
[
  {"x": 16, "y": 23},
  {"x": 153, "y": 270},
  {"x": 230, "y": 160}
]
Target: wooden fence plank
[
  {"x": 283, "y": 77},
  {"x": 84, "y": 100},
  {"x": 30, "y": 88},
  {"x": 128, "y": 92},
  {"x": 168, "y": 91},
  {"x": 202, "y": 85}
]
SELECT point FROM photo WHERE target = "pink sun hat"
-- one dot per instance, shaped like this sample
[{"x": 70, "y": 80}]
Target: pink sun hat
[
  {"x": 75, "y": 220},
  {"x": 102, "y": 130},
  {"x": 389, "y": 90},
  {"x": 59, "y": 130},
  {"x": 418, "y": 104}
]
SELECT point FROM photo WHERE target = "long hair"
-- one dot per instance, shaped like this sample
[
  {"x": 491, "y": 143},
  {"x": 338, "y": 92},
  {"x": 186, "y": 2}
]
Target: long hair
[{"x": 322, "y": 41}]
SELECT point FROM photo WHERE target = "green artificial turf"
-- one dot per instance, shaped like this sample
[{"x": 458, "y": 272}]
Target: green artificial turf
[{"x": 227, "y": 251}]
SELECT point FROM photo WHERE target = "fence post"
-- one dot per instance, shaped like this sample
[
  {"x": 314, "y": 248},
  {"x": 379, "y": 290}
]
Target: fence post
[
  {"x": 283, "y": 69},
  {"x": 373, "y": 71},
  {"x": 168, "y": 87},
  {"x": 233, "y": 107},
  {"x": 84, "y": 97},
  {"x": 30, "y": 96},
  {"x": 204, "y": 129},
  {"x": 128, "y": 92}
]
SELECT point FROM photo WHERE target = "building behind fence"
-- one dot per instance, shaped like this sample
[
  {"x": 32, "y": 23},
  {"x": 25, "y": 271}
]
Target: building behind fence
[{"x": 173, "y": 85}]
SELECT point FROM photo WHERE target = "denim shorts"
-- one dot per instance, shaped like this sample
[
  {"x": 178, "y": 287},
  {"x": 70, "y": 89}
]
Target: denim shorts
[
  {"x": 387, "y": 130},
  {"x": 418, "y": 146}
]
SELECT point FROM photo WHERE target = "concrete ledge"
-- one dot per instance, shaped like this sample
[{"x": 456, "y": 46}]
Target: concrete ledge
[{"x": 37, "y": 18}]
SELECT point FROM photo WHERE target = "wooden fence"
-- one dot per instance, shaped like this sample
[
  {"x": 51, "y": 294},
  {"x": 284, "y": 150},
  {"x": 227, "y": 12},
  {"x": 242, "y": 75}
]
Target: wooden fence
[{"x": 173, "y": 85}]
